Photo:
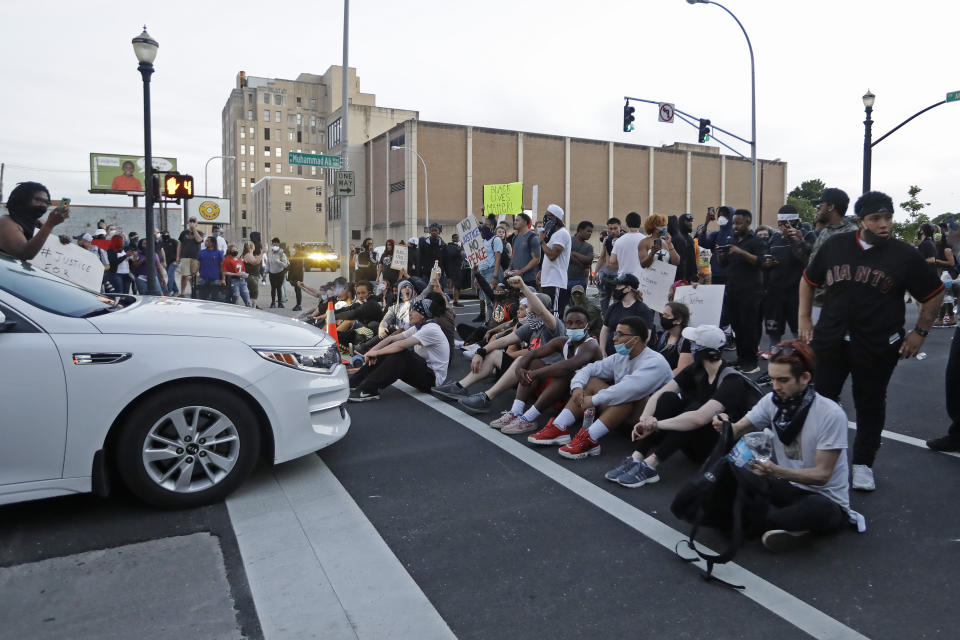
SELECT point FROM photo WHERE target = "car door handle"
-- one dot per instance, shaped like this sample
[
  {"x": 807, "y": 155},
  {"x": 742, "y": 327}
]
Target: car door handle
[{"x": 100, "y": 358}]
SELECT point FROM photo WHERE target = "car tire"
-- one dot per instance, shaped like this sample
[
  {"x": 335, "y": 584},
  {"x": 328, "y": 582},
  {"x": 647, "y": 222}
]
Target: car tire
[{"x": 174, "y": 470}]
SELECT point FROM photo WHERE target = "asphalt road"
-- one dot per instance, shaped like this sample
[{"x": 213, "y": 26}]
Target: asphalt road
[{"x": 510, "y": 542}]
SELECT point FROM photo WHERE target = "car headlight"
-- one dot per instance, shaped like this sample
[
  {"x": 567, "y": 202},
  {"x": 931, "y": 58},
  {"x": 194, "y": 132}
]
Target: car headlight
[
  {"x": 312, "y": 359},
  {"x": 316, "y": 256}
]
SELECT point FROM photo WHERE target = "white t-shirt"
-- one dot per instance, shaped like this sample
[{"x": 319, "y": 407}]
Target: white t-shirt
[
  {"x": 824, "y": 429},
  {"x": 628, "y": 256},
  {"x": 221, "y": 245},
  {"x": 433, "y": 348},
  {"x": 554, "y": 272}
]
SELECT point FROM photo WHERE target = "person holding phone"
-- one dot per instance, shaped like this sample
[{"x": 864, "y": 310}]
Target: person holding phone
[
  {"x": 717, "y": 241},
  {"x": 657, "y": 245},
  {"x": 783, "y": 266},
  {"x": 22, "y": 235}
]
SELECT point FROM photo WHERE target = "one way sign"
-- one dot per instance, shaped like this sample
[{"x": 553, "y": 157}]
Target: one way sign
[{"x": 344, "y": 184}]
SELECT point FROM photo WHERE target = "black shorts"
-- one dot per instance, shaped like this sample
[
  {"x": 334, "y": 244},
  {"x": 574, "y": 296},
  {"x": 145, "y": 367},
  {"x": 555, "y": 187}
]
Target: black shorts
[{"x": 505, "y": 363}]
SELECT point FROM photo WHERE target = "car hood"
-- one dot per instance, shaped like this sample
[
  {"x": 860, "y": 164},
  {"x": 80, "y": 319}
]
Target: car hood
[{"x": 198, "y": 318}]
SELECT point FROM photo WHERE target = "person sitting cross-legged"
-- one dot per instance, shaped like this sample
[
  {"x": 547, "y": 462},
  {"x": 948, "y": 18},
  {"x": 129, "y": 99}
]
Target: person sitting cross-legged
[
  {"x": 540, "y": 327},
  {"x": 615, "y": 386},
  {"x": 678, "y": 417},
  {"x": 544, "y": 374}
]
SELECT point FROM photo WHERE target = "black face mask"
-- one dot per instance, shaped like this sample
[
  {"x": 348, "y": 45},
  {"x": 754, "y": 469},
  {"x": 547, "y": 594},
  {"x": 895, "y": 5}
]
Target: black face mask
[
  {"x": 37, "y": 211},
  {"x": 667, "y": 323},
  {"x": 871, "y": 238},
  {"x": 618, "y": 294},
  {"x": 233, "y": 253}
]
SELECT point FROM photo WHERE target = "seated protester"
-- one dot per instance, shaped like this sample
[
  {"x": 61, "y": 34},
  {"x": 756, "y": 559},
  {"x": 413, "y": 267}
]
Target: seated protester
[
  {"x": 808, "y": 484},
  {"x": 397, "y": 316},
  {"x": 671, "y": 344},
  {"x": 502, "y": 316},
  {"x": 419, "y": 356},
  {"x": 549, "y": 383},
  {"x": 356, "y": 320},
  {"x": 624, "y": 302},
  {"x": 578, "y": 297},
  {"x": 541, "y": 327},
  {"x": 616, "y": 386},
  {"x": 679, "y": 416}
]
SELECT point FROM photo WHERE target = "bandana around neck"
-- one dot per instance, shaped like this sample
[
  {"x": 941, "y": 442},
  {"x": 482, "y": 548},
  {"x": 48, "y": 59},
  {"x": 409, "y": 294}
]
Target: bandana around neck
[{"x": 791, "y": 414}]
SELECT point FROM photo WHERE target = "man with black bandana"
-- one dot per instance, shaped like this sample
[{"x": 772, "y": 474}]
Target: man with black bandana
[
  {"x": 742, "y": 296},
  {"x": 21, "y": 233},
  {"x": 860, "y": 330}
]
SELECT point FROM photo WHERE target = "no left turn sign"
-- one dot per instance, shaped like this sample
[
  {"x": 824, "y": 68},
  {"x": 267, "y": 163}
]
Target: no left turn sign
[{"x": 666, "y": 112}]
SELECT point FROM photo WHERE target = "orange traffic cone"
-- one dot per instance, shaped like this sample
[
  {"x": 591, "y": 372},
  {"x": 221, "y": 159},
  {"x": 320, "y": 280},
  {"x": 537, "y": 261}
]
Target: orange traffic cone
[{"x": 331, "y": 328}]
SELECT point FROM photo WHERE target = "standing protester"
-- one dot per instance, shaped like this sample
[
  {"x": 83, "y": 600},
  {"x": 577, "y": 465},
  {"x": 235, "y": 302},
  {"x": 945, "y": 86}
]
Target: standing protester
[
  {"x": 489, "y": 269},
  {"x": 951, "y": 441},
  {"x": 607, "y": 275},
  {"x": 503, "y": 232},
  {"x": 385, "y": 271},
  {"x": 686, "y": 248},
  {"x": 252, "y": 263},
  {"x": 366, "y": 267},
  {"x": 625, "y": 257},
  {"x": 525, "y": 261},
  {"x": 860, "y": 331},
  {"x": 555, "y": 243},
  {"x": 626, "y": 303},
  {"x": 713, "y": 240},
  {"x": 742, "y": 296},
  {"x": 656, "y": 245},
  {"x": 221, "y": 242},
  {"x": 413, "y": 256},
  {"x": 170, "y": 248},
  {"x": 119, "y": 259},
  {"x": 21, "y": 233},
  {"x": 277, "y": 263},
  {"x": 831, "y": 215},
  {"x": 298, "y": 258},
  {"x": 235, "y": 275},
  {"x": 140, "y": 271},
  {"x": 783, "y": 266},
  {"x": 190, "y": 244},
  {"x": 945, "y": 263},
  {"x": 430, "y": 250},
  {"x": 210, "y": 260},
  {"x": 581, "y": 258},
  {"x": 450, "y": 264}
]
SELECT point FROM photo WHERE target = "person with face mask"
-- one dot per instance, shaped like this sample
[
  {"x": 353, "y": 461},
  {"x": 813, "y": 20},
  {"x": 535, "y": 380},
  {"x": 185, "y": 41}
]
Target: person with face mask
[
  {"x": 831, "y": 218},
  {"x": 21, "y": 233},
  {"x": 680, "y": 230},
  {"x": 119, "y": 259},
  {"x": 555, "y": 243},
  {"x": 298, "y": 257},
  {"x": 671, "y": 344},
  {"x": 190, "y": 244},
  {"x": 614, "y": 387},
  {"x": 625, "y": 302},
  {"x": 546, "y": 384},
  {"x": 782, "y": 266},
  {"x": 221, "y": 241},
  {"x": 743, "y": 293},
  {"x": 679, "y": 415},
  {"x": 140, "y": 270},
  {"x": 397, "y": 316},
  {"x": 235, "y": 275},
  {"x": 169, "y": 247},
  {"x": 578, "y": 298},
  {"x": 276, "y": 263},
  {"x": 717, "y": 241},
  {"x": 860, "y": 332}
]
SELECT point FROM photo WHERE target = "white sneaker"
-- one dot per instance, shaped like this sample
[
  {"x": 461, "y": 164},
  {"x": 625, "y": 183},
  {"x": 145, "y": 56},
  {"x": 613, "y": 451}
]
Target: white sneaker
[
  {"x": 863, "y": 478},
  {"x": 470, "y": 351}
]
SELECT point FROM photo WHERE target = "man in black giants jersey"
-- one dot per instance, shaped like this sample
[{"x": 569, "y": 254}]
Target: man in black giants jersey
[{"x": 860, "y": 331}]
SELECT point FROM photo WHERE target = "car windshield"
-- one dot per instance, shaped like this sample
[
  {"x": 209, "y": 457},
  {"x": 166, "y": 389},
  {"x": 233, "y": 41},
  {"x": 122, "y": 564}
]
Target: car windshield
[{"x": 49, "y": 292}]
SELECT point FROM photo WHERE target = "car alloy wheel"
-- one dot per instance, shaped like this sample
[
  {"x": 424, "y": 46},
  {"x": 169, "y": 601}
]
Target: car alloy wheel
[{"x": 190, "y": 449}]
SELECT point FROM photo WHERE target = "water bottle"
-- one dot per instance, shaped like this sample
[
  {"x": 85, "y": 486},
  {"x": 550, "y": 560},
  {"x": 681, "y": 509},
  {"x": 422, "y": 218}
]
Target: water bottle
[
  {"x": 922, "y": 355},
  {"x": 753, "y": 446},
  {"x": 436, "y": 268},
  {"x": 588, "y": 417}
]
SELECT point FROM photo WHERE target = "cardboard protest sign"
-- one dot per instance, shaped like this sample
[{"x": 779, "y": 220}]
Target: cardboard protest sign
[
  {"x": 473, "y": 245},
  {"x": 399, "y": 258},
  {"x": 705, "y": 302},
  {"x": 503, "y": 199},
  {"x": 655, "y": 283},
  {"x": 70, "y": 262}
]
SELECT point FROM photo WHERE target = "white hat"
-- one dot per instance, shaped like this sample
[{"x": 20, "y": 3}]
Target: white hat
[
  {"x": 100, "y": 232},
  {"x": 412, "y": 241},
  {"x": 87, "y": 237},
  {"x": 555, "y": 210},
  {"x": 706, "y": 335},
  {"x": 787, "y": 216}
]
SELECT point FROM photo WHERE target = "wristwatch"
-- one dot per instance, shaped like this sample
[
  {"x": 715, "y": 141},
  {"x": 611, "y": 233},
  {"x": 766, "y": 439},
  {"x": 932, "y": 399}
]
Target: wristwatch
[{"x": 923, "y": 333}]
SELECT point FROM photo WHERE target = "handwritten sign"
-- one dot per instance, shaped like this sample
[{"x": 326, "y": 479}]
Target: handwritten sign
[
  {"x": 704, "y": 301},
  {"x": 655, "y": 282},
  {"x": 70, "y": 262},
  {"x": 399, "y": 258},
  {"x": 473, "y": 245},
  {"x": 503, "y": 198}
]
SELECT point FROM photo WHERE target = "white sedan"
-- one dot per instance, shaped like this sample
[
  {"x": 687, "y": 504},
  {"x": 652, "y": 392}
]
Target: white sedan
[{"x": 175, "y": 398}]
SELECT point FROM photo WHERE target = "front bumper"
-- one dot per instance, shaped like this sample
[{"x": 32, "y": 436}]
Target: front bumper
[{"x": 307, "y": 411}]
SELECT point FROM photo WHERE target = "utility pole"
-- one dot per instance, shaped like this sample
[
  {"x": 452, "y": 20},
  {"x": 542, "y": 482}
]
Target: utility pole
[{"x": 344, "y": 141}]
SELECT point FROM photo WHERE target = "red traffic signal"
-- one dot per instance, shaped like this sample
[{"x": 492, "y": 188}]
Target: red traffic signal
[{"x": 178, "y": 186}]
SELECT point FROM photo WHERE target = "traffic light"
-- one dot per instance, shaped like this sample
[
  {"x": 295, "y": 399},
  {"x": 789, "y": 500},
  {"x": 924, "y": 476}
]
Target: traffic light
[
  {"x": 628, "y": 117},
  {"x": 704, "y": 135},
  {"x": 178, "y": 186}
]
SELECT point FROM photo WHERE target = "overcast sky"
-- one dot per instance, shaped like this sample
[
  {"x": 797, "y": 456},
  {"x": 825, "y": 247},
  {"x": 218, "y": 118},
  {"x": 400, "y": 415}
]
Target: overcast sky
[{"x": 71, "y": 84}]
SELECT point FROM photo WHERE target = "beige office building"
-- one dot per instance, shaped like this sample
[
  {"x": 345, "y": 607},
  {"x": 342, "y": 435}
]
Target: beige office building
[
  {"x": 591, "y": 179},
  {"x": 266, "y": 118}
]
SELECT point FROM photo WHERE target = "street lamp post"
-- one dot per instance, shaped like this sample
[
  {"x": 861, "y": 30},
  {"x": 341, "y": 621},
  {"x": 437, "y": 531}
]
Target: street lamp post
[
  {"x": 207, "y": 166},
  {"x": 868, "y": 99},
  {"x": 426, "y": 184},
  {"x": 145, "y": 49},
  {"x": 753, "y": 106}
]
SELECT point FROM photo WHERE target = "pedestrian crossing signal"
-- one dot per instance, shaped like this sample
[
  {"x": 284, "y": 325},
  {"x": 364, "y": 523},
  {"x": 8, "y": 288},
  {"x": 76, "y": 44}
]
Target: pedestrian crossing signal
[{"x": 178, "y": 186}]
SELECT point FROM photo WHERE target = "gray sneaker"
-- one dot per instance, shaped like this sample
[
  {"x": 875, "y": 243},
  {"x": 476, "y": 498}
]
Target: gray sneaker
[
  {"x": 451, "y": 390},
  {"x": 616, "y": 472},
  {"x": 638, "y": 475},
  {"x": 475, "y": 403}
]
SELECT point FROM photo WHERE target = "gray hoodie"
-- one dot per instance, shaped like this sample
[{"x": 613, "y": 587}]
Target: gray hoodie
[{"x": 635, "y": 378}]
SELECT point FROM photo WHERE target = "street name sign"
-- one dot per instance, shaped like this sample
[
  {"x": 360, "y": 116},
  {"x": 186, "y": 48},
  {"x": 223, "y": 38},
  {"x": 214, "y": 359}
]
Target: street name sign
[
  {"x": 314, "y": 160},
  {"x": 953, "y": 96}
]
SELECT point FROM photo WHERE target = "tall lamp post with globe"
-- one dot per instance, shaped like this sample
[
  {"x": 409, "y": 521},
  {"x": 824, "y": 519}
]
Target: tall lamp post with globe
[{"x": 145, "y": 48}]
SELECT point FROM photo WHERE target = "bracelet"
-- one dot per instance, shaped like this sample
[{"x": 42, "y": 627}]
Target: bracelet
[
  {"x": 482, "y": 352},
  {"x": 923, "y": 333}
]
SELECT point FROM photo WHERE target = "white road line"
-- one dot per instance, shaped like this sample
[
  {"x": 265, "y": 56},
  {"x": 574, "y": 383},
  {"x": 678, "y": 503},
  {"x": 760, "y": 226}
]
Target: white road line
[
  {"x": 317, "y": 567},
  {"x": 795, "y": 611},
  {"x": 899, "y": 437}
]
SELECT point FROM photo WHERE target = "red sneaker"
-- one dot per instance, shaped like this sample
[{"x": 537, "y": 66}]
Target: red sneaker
[
  {"x": 581, "y": 447},
  {"x": 550, "y": 434}
]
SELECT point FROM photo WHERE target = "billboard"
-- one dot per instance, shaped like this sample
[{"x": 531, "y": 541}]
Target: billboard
[
  {"x": 210, "y": 210},
  {"x": 113, "y": 172}
]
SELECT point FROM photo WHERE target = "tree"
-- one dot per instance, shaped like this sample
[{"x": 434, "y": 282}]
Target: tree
[
  {"x": 804, "y": 196},
  {"x": 907, "y": 231}
]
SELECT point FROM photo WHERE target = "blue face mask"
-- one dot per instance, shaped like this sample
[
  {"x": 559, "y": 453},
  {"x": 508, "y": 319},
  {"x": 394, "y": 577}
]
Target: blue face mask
[
  {"x": 576, "y": 334},
  {"x": 622, "y": 349}
]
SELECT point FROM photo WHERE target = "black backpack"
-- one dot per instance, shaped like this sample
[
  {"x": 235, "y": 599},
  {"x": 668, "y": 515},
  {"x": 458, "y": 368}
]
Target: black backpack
[{"x": 726, "y": 497}]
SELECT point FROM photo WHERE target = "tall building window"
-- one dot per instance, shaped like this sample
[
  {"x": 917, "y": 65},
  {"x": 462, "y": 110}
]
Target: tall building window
[
  {"x": 245, "y": 229},
  {"x": 243, "y": 198},
  {"x": 279, "y": 167},
  {"x": 278, "y": 98},
  {"x": 277, "y": 152},
  {"x": 266, "y": 98},
  {"x": 299, "y": 119},
  {"x": 243, "y": 214},
  {"x": 243, "y": 132},
  {"x": 266, "y": 115},
  {"x": 313, "y": 121},
  {"x": 313, "y": 103},
  {"x": 276, "y": 116},
  {"x": 334, "y": 131},
  {"x": 289, "y": 135},
  {"x": 291, "y": 168},
  {"x": 243, "y": 182},
  {"x": 288, "y": 206},
  {"x": 251, "y": 128},
  {"x": 313, "y": 171},
  {"x": 287, "y": 189},
  {"x": 298, "y": 101},
  {"x": 299, "y": 170},
  {"x": 266, "y": 151},
  {"x": 266, "y": 134},
  {"x": 250, "y": 98},
  {"x": 299, "y": 136},
  {"x": 319, "y": 207},
  {"x": 249, "y": 114},
  {"x": 266, "y": 167},
  {"x": 243, "y": 165},
  {"x": 243, "y": 149}
]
